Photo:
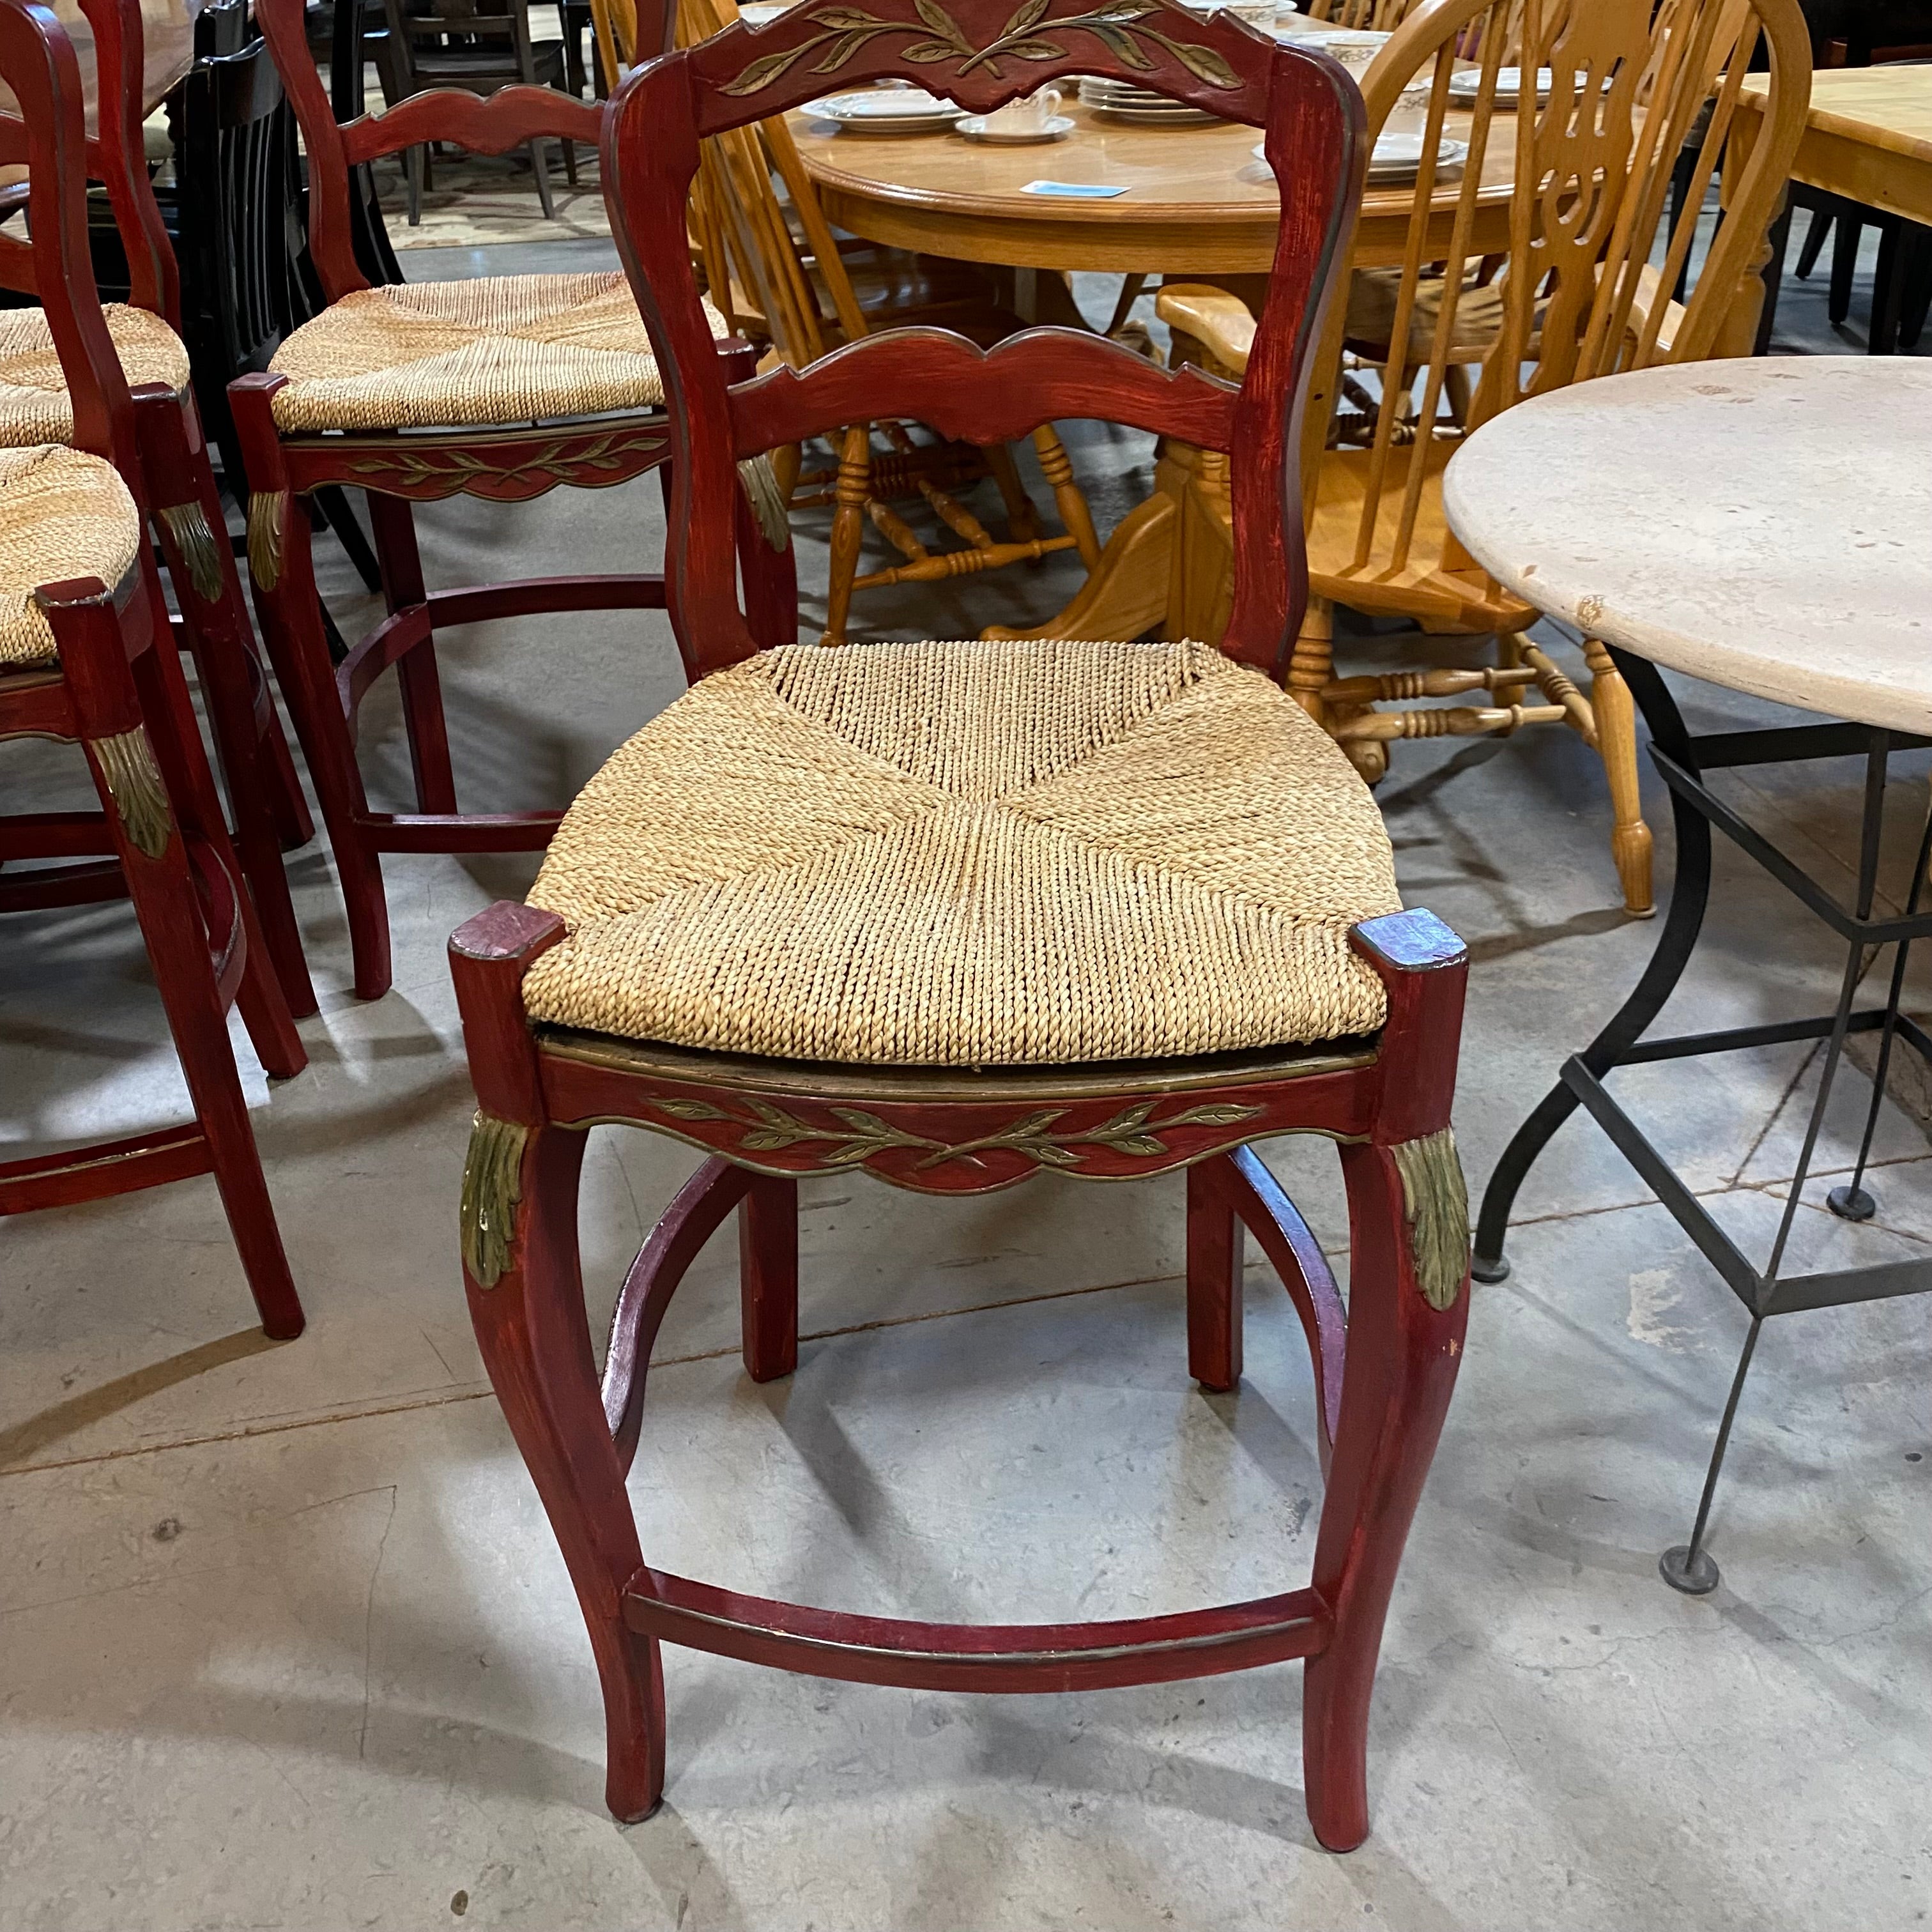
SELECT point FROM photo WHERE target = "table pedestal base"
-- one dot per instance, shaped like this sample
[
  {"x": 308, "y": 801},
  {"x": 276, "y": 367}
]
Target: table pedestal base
[{"x": 1683, "y": 760}]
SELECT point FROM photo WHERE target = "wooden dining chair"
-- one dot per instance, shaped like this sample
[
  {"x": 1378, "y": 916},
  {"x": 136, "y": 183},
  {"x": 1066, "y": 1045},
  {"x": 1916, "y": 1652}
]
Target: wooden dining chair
[
  {"x": 503, "y": 387},
  {"x": 959, "y": 913},
  {"x": 1583, "y": 290},
  {"x": 781, "y": 277},
  {"x": 86, "y": 656},
  {"x": 179, "y": 488},
  {"x": 478, "y": 45}
]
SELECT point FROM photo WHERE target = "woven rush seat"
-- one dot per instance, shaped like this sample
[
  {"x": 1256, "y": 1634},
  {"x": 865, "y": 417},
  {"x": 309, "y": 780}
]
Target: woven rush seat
[
  {"x": 35, "y": 407},
  {"x": 498, "y": 351},
  {"x": 62, "y": 514},
  {"x": 1029, "y": 851}
]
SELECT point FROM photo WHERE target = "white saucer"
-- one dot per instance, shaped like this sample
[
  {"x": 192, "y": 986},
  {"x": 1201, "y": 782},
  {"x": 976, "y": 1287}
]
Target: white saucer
[
  {"x": 888, "y": 111},
  {"x": 975, "y": 129}
]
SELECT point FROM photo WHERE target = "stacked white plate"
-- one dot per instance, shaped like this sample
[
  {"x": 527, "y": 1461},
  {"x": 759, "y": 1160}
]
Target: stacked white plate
[
  {"x": 1398, "y": 157},
  {"x": 889, "y": 110},
  {"x": 1466, "y": 83},
  {"x": 1125, "y": 102}
]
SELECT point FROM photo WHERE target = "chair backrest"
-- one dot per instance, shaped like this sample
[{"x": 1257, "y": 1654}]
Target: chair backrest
[
  {"x": 1380, "y": 16},
  {"x": 981, "y": 54},
  {"x": 498, "y": 28},
  {"x": 622, "y": 28},
  {"x": 1583, "y": 289},
  {"x": 492, "y": 124},
  {"x": 48, "y": 136},
  {"x": 115, "y": 156}
]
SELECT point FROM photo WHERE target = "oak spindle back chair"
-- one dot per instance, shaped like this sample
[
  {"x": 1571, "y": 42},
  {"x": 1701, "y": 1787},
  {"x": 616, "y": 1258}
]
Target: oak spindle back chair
[
  {"x": 89, "y": 658},
  {"x": 1567, "y": 201},
  {"x": 808, "y": 293},
  {"x": 179, "y": 490},
  {"x": 957, "y": 913},
  {"x": 503, "y": 387}
]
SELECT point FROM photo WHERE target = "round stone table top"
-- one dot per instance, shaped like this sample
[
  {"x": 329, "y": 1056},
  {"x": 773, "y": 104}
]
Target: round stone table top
[{"x": 1764, "y": 524}]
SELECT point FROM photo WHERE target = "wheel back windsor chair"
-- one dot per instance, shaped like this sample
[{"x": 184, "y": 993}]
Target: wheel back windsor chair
[
  {"x": 957, "y": 913},
  {"x": 91, "y": 659},
  {"x": 1581, "y": 288},
  {"x": 176, "y": 482},
  {"x": 501, "y": 387}
]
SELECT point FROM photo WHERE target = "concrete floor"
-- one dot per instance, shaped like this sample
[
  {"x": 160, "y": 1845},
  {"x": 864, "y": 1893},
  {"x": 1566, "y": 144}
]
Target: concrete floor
[{"x": 288, "y": 1642}]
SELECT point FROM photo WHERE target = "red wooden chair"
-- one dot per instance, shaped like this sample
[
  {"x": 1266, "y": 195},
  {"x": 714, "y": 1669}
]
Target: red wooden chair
[
  {"x": 957, "y": 913},
  {"x": 177, "y": 485},
  {"x": 91, "y": 658},
  {"x": 503, "y": 387}
]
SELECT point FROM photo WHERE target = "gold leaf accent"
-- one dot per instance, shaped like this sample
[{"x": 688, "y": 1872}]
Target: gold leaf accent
[
  {"x": 759, "y": 482},
  {"x": 493, "y": 1184},
  {"x": 266, "y": 510},
  {"x": 187, "y": 525},
  {"x": 127, "y": 762},
  {"x": 1435, "y": 1201}
]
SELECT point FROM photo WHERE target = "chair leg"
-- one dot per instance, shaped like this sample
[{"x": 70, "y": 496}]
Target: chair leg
[
  {"x": 1846, "y": 235},
  {"x": 265, "y": 801},
  {"x": 1814, "y": 242},
  {"x": 413, "y": 171},
  {"x": 1069, "y": 499},
  {"x": 1215, "y": 1244},
  {"x": 768, "y": 1277},
  {"x": 1630, "y": 840},
  {"x": 1022, "y": 519},
  {"x": 539, "y": 153},
  {"x": 155, "y": 863},
  {"x": 1403, "y": 1355},
  {"x": 535, "y": 1344},
  {"x": 281, "y": 562},
  {"x": 393, "y": 522},
  {"x": 849, "y": 494}
]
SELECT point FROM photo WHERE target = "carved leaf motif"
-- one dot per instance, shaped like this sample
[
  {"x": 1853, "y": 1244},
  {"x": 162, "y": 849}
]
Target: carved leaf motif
[
  {"x": 767, "y": 68},
  {"x": 943, "y": 24},
  {"x": 924, "y": 52},
  {"x": 838, "y": 53},
  {"x": 1035, "y": 50},
  {"x": 1124, "y": 47},
  {"x": 845, "y": 19},
  {"x": 1054, "y": 1156},
  {"x": 1203, "y": 63},
  {"x": 1029, "y": 15},
  {"x": 763, "y": 1140},
  {"x": 1222, "y": 1116},
  {"x": 691, "y": 1110}
]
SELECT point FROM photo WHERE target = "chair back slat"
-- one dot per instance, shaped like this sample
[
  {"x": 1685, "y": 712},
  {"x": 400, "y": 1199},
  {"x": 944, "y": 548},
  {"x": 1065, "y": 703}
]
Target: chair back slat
[{"x": 981, "y": 54}]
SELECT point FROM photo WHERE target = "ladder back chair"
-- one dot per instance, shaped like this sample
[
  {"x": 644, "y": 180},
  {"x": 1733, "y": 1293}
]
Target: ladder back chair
[
  {"x": 780, "y": 276},
  {"x": 956, "y": 913},
  {"x": 1546, "y": 260},
  {"x": 86, "y": 656},
  {"x": 179, "y": 492},
  {"x": 501, "y": 387}
]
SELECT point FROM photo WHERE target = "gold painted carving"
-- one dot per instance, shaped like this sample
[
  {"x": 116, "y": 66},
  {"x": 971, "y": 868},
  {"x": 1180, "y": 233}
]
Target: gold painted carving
[
  {"x": 1120, "y": 26},
  {"x": 760, "y": 485},
  {"x": 1131, "y": 1131},
  {"x": 1435, "y": 1201},
  {"x": 267, "y": 509},
  {"x": 187, "y": 525},
  {"x": 127, "y": 762},
  {"x": 493, "y": 1184},
  {"x": 563, "y": 460}
]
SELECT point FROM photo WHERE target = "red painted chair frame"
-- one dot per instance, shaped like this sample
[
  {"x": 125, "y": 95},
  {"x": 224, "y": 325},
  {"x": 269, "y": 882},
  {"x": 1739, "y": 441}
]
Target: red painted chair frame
[
  {"x": 175, "y": 484},
  {"x": 1383, "y": 1373},
  {"x": 118, "y": 692},
  {"x": 504, "y": 465}
]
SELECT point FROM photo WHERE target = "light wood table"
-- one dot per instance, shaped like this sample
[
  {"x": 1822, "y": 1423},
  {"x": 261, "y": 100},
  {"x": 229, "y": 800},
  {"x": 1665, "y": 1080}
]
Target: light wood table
[
  {"x": 1198, "y": 205},
  {"x": 1868, "y": 136}
]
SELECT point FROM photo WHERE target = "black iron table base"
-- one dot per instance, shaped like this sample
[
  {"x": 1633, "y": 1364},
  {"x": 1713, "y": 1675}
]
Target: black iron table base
[{"x": 1683, "y": 760}]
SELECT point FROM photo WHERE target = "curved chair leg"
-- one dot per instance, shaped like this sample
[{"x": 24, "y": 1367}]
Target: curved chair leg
[
  {"x": 137, "y": 764},
  {"x": 530, "y": 1325},
  {"x": 1403, "y": 1352}
]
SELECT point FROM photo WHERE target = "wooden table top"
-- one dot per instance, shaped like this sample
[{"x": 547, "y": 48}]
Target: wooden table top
[
  {"x": 1760, "y": 522},
  {"x": 1197, "y": 202},
  {"x": 1868, "y": 136}
]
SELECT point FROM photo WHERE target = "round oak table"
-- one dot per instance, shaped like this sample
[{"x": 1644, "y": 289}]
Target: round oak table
[
  {"x": 1198, "y": 204},
  {"x": 1765, "y": 526}
]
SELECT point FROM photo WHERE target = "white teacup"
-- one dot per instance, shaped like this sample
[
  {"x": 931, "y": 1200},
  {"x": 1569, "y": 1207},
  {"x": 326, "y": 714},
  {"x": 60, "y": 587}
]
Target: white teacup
[{"x": 1032, "y": 115}]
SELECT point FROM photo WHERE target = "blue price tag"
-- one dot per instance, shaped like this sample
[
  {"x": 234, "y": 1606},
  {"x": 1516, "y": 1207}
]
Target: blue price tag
[{"x": 1073, "y": 190}]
